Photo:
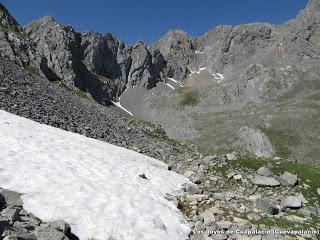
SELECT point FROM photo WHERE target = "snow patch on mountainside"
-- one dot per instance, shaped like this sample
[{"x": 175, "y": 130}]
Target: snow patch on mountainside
[
  {"x": 176, "y": 81},
  {"x": 118, "y": 104},
  {"x": 92, "y": 185},
  {"x": 170, "y": 86}
]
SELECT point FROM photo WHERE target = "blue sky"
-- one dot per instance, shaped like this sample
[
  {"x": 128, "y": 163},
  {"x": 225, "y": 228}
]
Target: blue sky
[{"x": 148, "y": 20}]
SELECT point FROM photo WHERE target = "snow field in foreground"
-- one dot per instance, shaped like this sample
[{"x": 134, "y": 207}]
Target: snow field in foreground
[{"x": 92, "y": 185}]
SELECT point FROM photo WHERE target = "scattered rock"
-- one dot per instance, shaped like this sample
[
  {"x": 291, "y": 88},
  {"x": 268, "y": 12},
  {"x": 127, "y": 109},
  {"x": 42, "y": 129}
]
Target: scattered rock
[
  {"x": 231, "y": 174},
  {"x": 231, "y": 157},
  {"x": 237, "y": 177},
  {"x": 288, "y": 179}
]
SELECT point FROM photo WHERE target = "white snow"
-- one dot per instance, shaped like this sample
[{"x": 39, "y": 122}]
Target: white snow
[
  {"x": 170, "y": 86},
  {"x": 118, "y": 104},
  {"x": 218, "y": 76},
  {"x": 198, "y": 72},
  {"x": 92, "y": 185},
  {"x": 198, "y": 52},
  {"x": 176, "y": 81}
]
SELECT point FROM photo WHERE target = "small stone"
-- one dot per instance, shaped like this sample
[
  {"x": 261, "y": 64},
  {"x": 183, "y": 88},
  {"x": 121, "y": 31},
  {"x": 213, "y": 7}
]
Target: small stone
[
  {"x": 143, "y": 176},
  {"x": 288, "y": 179},
  {"x": 237, "y": 177},
  {"x": 318, "y": 191},
  {"x": 291, "y": 202},
  {"x": 231, "y": 174},
  {"x": 231, "y": 157}
]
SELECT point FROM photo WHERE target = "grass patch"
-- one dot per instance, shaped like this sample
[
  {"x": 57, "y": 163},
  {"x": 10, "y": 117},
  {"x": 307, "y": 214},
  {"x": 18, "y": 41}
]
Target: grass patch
[
  {"x": 159, "y": 134},
  {"x": 282, "y": 140},
  {"x": 32, "y": 70},
  {"x": 189, "y": 97},
  {"x": 4, "y": 29},
  {"x": 77, "y": 92}
]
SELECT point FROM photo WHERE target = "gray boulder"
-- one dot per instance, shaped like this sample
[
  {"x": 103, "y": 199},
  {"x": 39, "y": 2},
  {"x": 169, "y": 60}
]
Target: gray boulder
[
  {"x": 265, "y": 181},
  {"x": 291, "y": 202},
  {"x": 11, "y": 198},
  {"x": 265, "y": 206},
  {"x": 288, "y": 179},
  {"x": 255, "y": 142}
]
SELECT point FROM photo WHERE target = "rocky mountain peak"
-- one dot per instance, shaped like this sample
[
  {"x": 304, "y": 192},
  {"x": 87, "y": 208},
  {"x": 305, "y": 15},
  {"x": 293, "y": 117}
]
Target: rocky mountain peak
[
  {"x": 313, "y": 6},
  {"x": 7, "y": 21}
]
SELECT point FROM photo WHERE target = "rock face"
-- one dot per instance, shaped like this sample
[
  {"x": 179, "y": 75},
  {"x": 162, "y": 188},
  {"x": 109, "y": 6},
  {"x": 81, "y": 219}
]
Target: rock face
[
  {"x": 14, "y": 44},
  {"x": 99, "y": 64}
]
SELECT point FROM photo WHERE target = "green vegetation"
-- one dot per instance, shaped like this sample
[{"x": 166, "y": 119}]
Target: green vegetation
[
  {"x": 4, "y": 28},
  {"x": 282, "y": 140},
  {"x": 77, "y": 92},
  {"x": 157, "y": 133},
  {"x": 32, "y": 70},
  {"x": 189, "y": 97}
]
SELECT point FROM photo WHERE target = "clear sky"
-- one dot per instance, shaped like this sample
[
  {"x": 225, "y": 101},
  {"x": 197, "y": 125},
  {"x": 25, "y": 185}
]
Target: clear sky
[{"x": 148, "y": 20}]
